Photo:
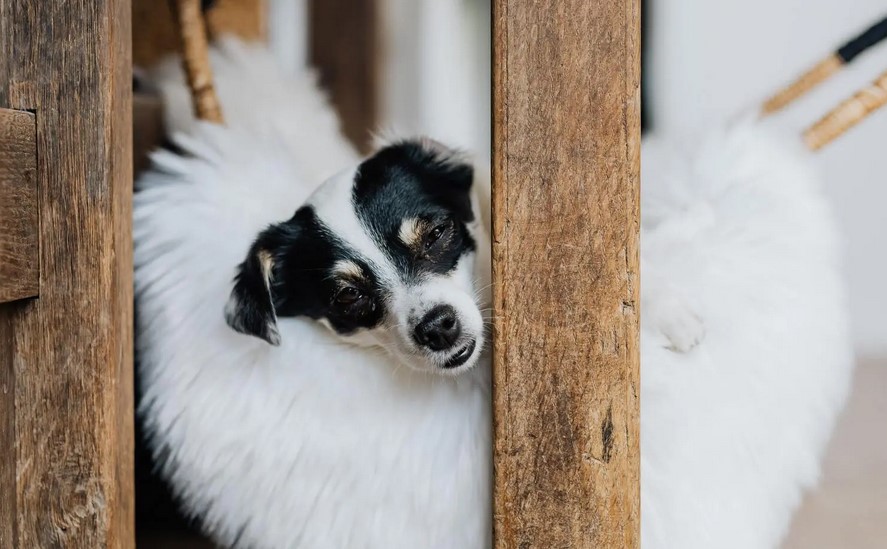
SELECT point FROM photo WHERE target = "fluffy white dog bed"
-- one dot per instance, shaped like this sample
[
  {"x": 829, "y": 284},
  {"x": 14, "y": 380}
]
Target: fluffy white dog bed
[
  {"x": 739, "y": 248},
  {"x": 314, "y": 444}
]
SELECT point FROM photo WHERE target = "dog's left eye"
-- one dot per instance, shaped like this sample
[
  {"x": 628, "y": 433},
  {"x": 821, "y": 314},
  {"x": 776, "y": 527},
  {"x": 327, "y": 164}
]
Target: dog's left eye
[{"x": 434, "y": 234}]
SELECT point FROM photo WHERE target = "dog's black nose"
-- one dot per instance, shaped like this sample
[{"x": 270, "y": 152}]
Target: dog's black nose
[{"x": 439, "y": 328}]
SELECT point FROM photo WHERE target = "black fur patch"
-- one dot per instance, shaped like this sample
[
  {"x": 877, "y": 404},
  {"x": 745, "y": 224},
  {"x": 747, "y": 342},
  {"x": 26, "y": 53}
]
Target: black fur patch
[
  {"x": 250, "y": 309},
  {"x": 303, "y": 284},
  {"x": 304, "y": 253},
  {"x": 409, "y": 180}
]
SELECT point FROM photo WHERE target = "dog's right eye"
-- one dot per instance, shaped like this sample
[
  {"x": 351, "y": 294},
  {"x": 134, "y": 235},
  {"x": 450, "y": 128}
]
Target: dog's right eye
[{"x": 348, "y": 296}]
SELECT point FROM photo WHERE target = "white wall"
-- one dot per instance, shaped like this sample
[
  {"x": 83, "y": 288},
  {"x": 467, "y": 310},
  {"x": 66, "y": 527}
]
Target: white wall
[
  {"x": 710, "y": 59},
  {"x": 436, "y": 67},
  {"x": 435, "y": 64},
  {"x": 288, "y": 32}
]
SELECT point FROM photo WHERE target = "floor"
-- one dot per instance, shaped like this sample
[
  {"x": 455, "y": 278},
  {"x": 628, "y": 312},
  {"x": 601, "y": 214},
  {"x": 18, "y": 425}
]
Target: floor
[{"x": 849, "y": 510}]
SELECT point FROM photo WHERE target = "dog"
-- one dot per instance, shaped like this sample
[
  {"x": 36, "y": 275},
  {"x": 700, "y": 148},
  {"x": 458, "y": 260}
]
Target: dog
[
  {"x": 312, "y": 329},
  {"x": 384, "y": 254}
]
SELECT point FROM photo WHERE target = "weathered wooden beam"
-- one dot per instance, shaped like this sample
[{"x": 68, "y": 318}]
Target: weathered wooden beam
[
  {"x": 66, "y": 357},
  {"x": 19, "y": 278},
  {"x": 7, "y": 428},
  {"x": 148, "y": 131},
  {"x": 344, "y": 46},
  {"x": 566, "y": 221},
  {"x": 19, "y": 273}
]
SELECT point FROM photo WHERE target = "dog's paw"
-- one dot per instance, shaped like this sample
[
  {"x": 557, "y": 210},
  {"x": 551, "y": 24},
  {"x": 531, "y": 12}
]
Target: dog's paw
[
  {"x": 683, "y": 329},
  {"x": 675, "y": 319}
]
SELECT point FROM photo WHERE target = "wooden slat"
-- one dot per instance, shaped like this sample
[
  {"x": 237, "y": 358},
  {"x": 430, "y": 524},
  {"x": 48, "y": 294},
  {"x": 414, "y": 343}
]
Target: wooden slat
[
  {"x": 148, "y": 132},
  {"x": 155, "y": 35},
  {"x": 70, "y": 350},
  {"x": 7, "y": 427},
  {"x": 344, "y": 46},
  {"x": 19, "y": 276},
  {"x": 566, "y": 218}
]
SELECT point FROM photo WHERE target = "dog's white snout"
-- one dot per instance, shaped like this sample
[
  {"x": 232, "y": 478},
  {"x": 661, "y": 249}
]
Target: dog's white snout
[{"x": 438, "y": 323}]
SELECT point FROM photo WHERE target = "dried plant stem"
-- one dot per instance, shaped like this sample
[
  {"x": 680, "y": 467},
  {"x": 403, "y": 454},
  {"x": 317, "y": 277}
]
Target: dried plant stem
[
  {"x": 195, "y": 58},
  {"x": 806, "y": 82},
  {"x": 847, "y": 114}
]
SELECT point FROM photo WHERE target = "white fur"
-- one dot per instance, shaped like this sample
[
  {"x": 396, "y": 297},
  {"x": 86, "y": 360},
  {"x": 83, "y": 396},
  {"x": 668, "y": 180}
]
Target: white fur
[
  {"x": 318, "y": 444},
  {"x": 739, "y": 259}
]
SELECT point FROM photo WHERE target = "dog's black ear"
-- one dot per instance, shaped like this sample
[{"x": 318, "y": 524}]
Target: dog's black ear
[
  {"x": 453, "y": 165},
  {"x": 250, "y": 309},
  {"x": 448, "y": 174}
]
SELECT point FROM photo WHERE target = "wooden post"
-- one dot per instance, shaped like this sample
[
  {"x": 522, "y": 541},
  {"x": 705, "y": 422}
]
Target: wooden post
[
  {"x": 66, "y": 355},
  {"x": 344, "y": 46},
  {"x": 566, "y": 221}
]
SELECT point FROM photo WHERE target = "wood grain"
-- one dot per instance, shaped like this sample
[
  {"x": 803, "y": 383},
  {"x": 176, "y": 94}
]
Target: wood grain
[
  {"x": 7, "y": 426},
  {"x": 19, "y": 278},
  {"x": 566, "y": 221},
  {"x": 154, "y": 35},
  {"x": 19, "y": 274},
  {"x": 344, "y": 46},
  {"x": 70, "y": 351}
]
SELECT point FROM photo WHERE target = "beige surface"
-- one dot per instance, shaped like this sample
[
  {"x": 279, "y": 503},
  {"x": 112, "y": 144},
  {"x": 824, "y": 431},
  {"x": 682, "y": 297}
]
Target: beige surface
[{"x": 849, "y": 510}]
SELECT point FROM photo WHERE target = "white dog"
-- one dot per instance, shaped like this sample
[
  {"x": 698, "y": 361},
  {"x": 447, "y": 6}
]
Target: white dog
[{"x": 323, "y": 423}]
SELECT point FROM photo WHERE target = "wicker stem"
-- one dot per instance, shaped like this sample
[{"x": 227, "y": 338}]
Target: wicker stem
[
  {"x": 195, "y": 58},
  {"x": 847, "y": 114},
  {"x": 806, "y": 82}
]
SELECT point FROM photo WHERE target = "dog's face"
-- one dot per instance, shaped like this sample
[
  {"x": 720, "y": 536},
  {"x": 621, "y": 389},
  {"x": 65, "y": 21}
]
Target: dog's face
[{"x": 381, "y": 255}]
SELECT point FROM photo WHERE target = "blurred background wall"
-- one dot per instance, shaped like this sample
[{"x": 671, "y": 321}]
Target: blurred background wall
[
  {"x": 704, "y": 62},
  {"x": 709, "y": 60},
  {"x": 435, "y": 65}
]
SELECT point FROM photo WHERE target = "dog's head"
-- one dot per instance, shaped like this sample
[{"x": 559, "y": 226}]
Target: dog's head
[{"x": 384, "y": 254}]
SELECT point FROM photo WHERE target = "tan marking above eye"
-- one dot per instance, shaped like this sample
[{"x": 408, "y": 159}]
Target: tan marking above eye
[
  {"x": 410, "y": 232},
  {"x": 348, "y": 269},
  {"x": 266, "y": 261}
]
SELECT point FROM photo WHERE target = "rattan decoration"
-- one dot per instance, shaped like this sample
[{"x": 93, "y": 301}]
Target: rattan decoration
[
  {"x": 806, "y": 82},
  {"x": 847, "y": 114},
  {"x": 823, "y": 70},
  {"x": 195, "y": 59}
]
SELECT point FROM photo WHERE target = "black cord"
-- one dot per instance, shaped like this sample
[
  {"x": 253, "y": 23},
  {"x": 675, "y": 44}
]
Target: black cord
[
  {"x": 864, "y": 41},
  {"x": 207, "y": 4}
]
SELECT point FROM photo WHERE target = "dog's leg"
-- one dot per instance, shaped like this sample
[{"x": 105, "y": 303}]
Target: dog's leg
[{"x": 665, "y": 310}]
